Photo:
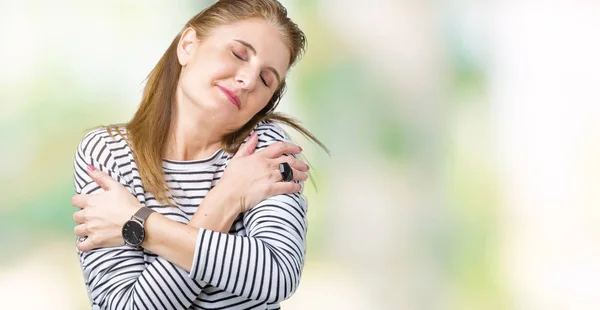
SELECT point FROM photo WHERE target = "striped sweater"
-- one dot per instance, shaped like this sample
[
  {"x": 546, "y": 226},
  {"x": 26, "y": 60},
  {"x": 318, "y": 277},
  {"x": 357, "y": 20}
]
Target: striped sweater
[{"x": 254, "y": 266}]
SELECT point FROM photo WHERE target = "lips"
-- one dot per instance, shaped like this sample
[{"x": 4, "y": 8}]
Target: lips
[{"x": 231, "y": 96}]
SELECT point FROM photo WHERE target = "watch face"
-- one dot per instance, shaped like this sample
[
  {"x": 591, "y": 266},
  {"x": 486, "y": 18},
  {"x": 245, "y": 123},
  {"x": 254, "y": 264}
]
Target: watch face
[{"x": 133, "y": 233}]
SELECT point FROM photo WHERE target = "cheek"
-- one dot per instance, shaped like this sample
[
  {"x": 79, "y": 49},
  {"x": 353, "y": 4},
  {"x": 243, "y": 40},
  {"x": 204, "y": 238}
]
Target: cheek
[
  {"x": 197, "y": 71},
  {"x": 218, "y": 67},
  {"x": 199, "y": 76},
  {"x": 189, "y": 82},
  {"x": 258, "y": 102}
]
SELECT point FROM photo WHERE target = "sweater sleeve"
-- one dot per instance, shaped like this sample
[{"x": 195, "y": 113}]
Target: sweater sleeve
[
  {"x": 266, "y": 264},
  {"x": 119, "y": 277}
]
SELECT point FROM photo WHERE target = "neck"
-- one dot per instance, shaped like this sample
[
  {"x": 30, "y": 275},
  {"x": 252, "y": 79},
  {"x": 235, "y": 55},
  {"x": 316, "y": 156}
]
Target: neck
[{"x": 193, "y": 135}]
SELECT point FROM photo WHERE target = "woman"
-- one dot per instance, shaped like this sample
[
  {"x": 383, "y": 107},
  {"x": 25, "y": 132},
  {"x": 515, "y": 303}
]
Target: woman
[{"x": 202, "y": 228}]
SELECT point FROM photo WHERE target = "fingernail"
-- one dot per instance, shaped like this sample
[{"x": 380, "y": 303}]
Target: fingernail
[
  {"x": 253, "y": 134},
  {"x": 300, "y": 148},
  {"x": 91, "y": 168}
]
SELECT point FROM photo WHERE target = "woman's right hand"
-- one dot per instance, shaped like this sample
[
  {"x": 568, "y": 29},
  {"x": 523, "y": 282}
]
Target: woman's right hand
[{"x": 252, "y": 177}]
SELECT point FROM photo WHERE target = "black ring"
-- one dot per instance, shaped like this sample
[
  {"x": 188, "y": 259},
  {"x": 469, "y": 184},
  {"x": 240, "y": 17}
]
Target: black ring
[{"x": 286, "y": 172}]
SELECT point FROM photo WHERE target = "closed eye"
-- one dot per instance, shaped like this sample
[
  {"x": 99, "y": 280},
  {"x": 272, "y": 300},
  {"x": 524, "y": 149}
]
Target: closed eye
[
  {"x": 264, "y": 81},
  {"x": 237, "y": 56}
]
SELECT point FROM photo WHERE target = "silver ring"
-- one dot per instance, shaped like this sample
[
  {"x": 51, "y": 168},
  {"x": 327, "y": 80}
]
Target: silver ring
[{"x": 286, "y": 172}]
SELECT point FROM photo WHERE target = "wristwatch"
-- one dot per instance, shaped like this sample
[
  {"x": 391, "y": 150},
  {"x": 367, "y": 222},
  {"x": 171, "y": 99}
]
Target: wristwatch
[{"x": 133, "y": 230}]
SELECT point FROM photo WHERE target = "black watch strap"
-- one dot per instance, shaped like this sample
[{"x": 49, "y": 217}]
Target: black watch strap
[{"x": 142, "y": 214}]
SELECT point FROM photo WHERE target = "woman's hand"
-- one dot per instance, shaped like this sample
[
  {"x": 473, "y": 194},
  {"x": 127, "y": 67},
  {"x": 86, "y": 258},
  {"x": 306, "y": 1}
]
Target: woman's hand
[
  {"x": 252, "y": 177},
  {"x": 102, "y": 215}
]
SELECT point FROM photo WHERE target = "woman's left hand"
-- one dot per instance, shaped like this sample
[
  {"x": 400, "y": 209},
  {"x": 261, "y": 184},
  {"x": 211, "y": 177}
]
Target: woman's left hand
[{"x": 103, "y": 215}]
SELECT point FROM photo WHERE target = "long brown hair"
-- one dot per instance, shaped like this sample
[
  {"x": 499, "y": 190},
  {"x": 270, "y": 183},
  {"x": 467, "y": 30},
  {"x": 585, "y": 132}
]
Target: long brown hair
[{"x": 147, "y": 132}]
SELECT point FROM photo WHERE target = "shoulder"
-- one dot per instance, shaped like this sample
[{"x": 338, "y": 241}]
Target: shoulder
[
  {"x": 102, "y": 145},
  {"x": 107, "y": 151},
  {"x": 270, "y": 132}
]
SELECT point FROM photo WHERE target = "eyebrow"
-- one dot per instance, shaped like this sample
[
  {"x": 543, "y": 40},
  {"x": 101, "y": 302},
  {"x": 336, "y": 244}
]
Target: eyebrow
[{"x": 248, "y": 45}]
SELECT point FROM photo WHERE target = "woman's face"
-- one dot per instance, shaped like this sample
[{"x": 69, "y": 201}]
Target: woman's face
[{"x": 232, "y": 73}]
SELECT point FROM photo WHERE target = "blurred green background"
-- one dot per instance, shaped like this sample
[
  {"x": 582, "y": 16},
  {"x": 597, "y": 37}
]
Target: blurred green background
[{"x": 463, "y": 134}]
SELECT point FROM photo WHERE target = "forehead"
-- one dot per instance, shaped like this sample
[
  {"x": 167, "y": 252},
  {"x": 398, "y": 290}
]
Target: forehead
[{"x": 262, "y": 35}]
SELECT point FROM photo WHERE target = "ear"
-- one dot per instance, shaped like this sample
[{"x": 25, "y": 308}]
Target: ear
[{"x": 185, "y": 47}]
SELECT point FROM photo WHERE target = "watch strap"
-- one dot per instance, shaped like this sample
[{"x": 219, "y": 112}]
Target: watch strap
[{"x": 142, "y": 214}]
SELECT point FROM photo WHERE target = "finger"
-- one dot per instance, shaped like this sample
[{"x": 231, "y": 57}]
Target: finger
[
  {"x": 294, "y": 163},
  {"x": 252, "y": 143},
  {"x": 81, "y": 230},
  {"x": 102, "y": 179},
  {"x": 297, "y": 175},
  {"x": 80, "y": 201},
  {"x": 279, "y": 148},
  {"x": 247, "y": 148},
  {"x": 279, "y": 188},
  {"x": 85, "y": 245},
  {"x": 79, "y": 217}
]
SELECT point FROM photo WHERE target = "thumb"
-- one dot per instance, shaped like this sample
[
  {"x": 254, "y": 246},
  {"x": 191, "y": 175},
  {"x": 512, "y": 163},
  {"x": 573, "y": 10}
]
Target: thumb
[
  {"x": 101, "y": 178},
  {"x": 247, "y": 147}
]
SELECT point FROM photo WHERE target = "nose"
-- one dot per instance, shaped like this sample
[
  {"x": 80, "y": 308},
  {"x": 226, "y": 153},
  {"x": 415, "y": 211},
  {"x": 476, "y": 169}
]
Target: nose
[{"x": 246, "y": 78}]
